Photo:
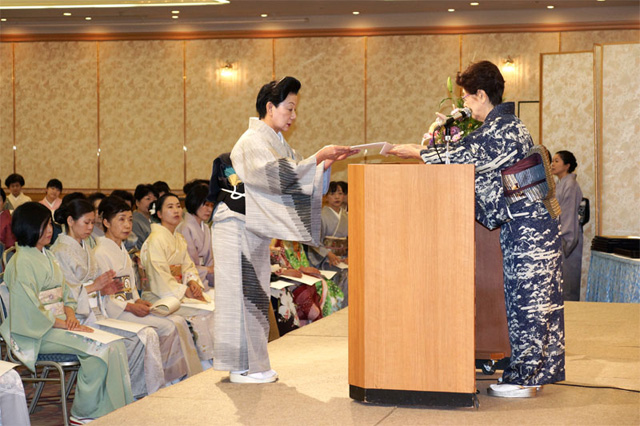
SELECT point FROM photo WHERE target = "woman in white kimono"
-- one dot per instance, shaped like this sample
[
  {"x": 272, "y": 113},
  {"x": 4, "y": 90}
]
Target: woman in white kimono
[
  {"x": 126, "y": 305},
  {"x": 42, "y": 309},
  {"x": 283, "y": 194},
  {"x": 171, "y": 273},
  {"x": 569, "y": 196},
  {"x": 197, "y": 233},
  {"x": 13, "y": 403},
  {"x": 334, "y": 233},
  {"x": 80, "y": 269}
]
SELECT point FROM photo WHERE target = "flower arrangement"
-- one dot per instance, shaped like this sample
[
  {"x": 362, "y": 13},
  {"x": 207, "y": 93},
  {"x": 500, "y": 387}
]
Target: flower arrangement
[{"x": 463, "y": 127}]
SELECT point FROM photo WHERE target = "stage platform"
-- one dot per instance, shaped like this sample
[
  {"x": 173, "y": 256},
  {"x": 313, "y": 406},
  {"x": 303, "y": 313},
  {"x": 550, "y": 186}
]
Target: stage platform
[{"x": 603, "y": 353}]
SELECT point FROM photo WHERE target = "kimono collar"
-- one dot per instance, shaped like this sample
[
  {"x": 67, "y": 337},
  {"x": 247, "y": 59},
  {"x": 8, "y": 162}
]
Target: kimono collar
[
  {"x": 274, "y": 138},
  {"x": 104, "y": 241},
  {"x": 192, "y": 220},
  {"x": 157, "y": 227},
  {"x": 570, "y": 176},
  {"x": 505, "y": 108}
]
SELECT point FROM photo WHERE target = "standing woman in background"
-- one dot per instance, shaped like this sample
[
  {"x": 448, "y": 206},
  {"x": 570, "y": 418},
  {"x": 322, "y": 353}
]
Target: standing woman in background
[
  {"x": 283, "y": 197},
  {"x": 569, "y": 196}
]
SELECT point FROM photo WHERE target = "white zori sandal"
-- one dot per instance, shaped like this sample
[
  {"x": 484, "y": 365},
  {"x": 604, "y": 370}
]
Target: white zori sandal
[
  {"x": 512, "y": 391},
  {"x": 268, "y": 376}
]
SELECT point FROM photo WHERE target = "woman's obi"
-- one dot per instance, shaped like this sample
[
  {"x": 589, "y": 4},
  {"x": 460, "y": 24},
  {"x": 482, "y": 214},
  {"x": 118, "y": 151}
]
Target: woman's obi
[
  {"x": 52, "y": 301},
  {"x": 530, "y": 180}
]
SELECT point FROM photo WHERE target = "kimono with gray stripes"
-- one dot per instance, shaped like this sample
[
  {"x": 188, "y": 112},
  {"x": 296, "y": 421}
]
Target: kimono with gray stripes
[{"x": 283, "y": 195}]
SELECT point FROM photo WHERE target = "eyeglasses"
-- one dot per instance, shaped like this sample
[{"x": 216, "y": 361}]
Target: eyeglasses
[{"x": 465, "y": 96}]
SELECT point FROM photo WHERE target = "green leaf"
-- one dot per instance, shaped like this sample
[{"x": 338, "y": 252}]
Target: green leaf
[{"x": 449, "y": 85}]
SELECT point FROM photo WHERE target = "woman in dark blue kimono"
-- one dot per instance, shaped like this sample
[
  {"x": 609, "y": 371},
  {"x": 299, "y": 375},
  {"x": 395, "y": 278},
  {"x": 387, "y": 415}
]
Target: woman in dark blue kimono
[{"x": 529, "y": 235}]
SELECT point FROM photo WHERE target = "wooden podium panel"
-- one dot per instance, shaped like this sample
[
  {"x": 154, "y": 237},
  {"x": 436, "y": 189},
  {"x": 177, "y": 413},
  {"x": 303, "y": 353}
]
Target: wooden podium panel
[
  {"x": 411, "y": 281},
  {"x": 492, "y": 336}
]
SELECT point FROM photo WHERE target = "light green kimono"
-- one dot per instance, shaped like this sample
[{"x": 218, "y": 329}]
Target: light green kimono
[{"x": 103, "y": 379}]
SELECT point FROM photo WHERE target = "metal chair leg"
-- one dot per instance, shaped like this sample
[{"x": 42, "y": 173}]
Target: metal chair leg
[
  {"x": 72, "y": 378},
  {"x": 39, "y": 388}
]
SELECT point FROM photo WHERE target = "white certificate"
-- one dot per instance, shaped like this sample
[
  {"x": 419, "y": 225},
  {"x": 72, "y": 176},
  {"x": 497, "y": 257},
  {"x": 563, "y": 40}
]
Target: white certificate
[
  {"x": 98, "y": 335},
  {"x": 132, "y": 327},
  {"x": 383, "y": 147}
]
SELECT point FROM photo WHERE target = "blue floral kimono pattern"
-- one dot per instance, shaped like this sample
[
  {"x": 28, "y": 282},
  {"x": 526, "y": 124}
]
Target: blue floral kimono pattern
[{"x": 530, "y": 244}]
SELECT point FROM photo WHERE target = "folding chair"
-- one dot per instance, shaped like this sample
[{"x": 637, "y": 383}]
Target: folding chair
[{"x": 61, "y": 362}]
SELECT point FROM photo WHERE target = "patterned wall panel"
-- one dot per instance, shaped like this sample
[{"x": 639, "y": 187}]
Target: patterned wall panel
[
  {"x": 584, "y": 40},
  {"x": 621, "y": 126},
  {"x": 56, "y": 123},
  {"x": 331, "y": 101},
  {"x": 406, "y": 80},
  {"x": 141, "y": 113},
  {"x": 524, "y": 49},
  {"x": 218, "y": 108},
  {"x": 570, "y": 125},
  {"x": 6, "y": 111},
  {"x": 529, "y": 113}
]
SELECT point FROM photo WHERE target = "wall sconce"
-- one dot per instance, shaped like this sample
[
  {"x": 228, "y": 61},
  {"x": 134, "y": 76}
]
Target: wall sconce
[
  {"x": 228, "y": 71},
  {"x": 509, "y": 65}
]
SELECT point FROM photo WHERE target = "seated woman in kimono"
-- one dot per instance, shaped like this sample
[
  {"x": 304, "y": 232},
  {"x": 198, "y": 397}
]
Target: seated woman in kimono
[
  {"x": 77, "y": 261},
  {"x": 197, "y": 233},
  {"x": 171, "y": 273},
  {"x": 334, "y": 233},
  {"x": 283, "y": 195},
  {"x": 42, "y": 309},
  {"x": 126, "y": 305},
  {"x": 331, "y": 297},
  {"x": 144, "y": 195}
]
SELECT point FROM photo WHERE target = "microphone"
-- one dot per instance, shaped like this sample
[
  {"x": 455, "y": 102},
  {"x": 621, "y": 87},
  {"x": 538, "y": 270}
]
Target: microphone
[{"x": 459, "y": 114}]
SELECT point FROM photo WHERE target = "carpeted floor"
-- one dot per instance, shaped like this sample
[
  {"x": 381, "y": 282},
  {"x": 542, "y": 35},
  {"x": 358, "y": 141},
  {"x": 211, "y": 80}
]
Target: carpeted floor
[{"x": 603, "y": 352}]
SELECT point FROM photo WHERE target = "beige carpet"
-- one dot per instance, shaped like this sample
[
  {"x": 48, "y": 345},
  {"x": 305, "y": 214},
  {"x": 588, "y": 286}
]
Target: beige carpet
[{"x": 603, "y": 349}]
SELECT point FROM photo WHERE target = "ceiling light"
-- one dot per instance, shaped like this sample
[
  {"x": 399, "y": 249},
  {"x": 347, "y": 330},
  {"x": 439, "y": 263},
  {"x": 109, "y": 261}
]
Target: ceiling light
[
  {"x": 550, "y": 7},
  {"x": 88, "y": 18},
  {"x": 451, "y": 10},
  {"x": 175, "y": 16},
  {"x": 67, "y": 14},
  {"x": 602, "y": 0},
  {"x": 3, "y": 19},
  {"x": 474, "y": 3},
  {"x": 356, "y": 13},
  {"x": 175, "y": 12},
  {"x": 264, "y": 15},
  {"x": 69, "y": 4}
]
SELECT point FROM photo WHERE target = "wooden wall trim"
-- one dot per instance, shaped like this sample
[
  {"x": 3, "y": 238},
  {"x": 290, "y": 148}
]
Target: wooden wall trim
[{"x": 334, "y": 32}]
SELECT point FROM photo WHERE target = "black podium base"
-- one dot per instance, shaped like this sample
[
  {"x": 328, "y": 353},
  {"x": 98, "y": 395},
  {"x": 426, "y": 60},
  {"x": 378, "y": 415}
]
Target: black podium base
[{"x": 403, "y": 397}]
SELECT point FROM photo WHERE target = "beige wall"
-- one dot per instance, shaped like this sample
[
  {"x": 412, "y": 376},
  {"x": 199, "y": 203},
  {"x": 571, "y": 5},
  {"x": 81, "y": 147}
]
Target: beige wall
[
  {"x": 56, "y": 110},
  {"x": 571, "y": 126},
  {"x": 6, "y": 111},
  {"x": 217, "y": 108},
  {"x": 620, "y": 130},
  {"x": 354, "y": 88}
]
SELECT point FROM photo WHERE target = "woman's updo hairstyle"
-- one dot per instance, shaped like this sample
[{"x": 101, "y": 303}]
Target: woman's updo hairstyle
[
  {"x": 196, "y": 198},
  {"x": 568, "y": 158},
  {"x": 74, "y": 209},
  {"x": 28, "y": 223},
  {"x": 276, "y": 92},
  {"x": 110, "y": 207},
  {"x": 156, "y": 205},
  {"x": 483, "y": 76}
]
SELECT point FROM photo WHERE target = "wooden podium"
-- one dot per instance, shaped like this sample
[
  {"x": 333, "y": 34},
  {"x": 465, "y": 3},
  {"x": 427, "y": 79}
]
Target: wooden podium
[{"x": 412, "y": 284}]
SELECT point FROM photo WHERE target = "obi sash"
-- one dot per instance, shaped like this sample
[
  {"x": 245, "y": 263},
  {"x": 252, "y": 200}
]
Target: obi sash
[
  {"x": 52, "y": 301},
  {"x": 531, "y": 179}
]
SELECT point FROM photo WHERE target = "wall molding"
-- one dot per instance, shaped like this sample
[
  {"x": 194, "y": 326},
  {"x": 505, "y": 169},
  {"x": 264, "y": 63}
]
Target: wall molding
[{"x": 339, "y": 32}]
